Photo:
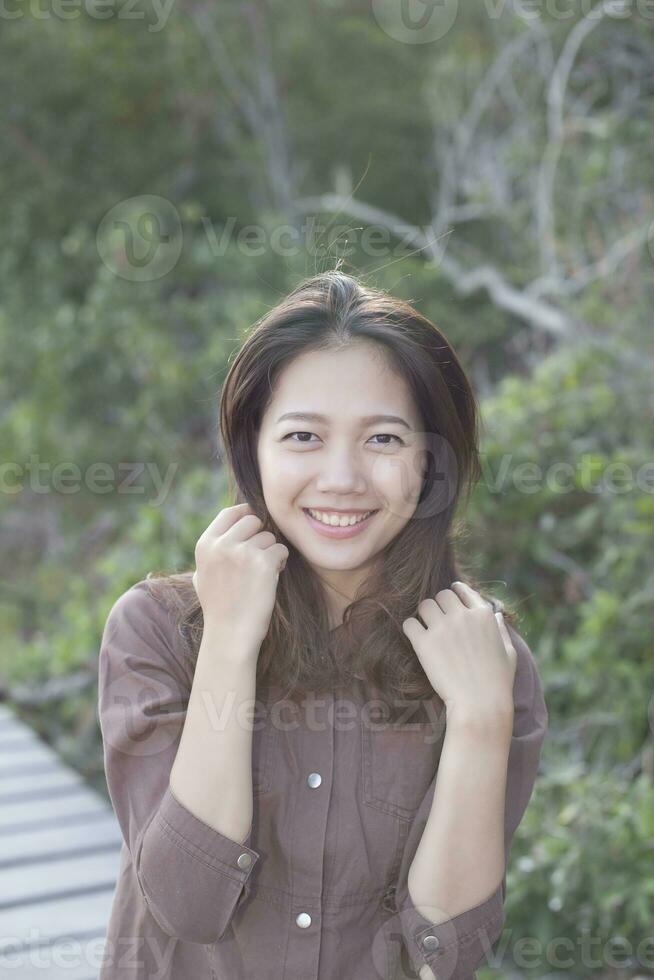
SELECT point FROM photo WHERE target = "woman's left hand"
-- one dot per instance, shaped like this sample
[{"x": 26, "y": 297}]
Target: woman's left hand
[{"x": 466, "y": 652}]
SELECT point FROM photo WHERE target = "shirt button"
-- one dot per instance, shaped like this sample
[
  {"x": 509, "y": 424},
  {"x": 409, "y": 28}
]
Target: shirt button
[
  {"x": 431, "y": 942},
  {"x": 303, "y": 920},
  {"x": 314, "y": 779},
  {"x": 244, "y": 860}
]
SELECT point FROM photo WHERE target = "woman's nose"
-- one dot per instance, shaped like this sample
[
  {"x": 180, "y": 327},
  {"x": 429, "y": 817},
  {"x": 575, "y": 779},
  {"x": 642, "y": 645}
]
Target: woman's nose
[{"x": 341, "y": 473}]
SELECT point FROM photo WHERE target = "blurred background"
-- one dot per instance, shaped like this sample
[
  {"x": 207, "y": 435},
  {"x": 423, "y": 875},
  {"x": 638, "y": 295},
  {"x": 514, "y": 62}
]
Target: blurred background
[{"x": 170, "y": 169}]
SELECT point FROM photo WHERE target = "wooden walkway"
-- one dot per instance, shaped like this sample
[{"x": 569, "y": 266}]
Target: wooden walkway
[{"x": 59, "y": 858}]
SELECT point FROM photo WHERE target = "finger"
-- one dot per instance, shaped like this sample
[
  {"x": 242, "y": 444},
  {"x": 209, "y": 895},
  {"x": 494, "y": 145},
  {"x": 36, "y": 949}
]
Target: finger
[
  {"x": 429, "y": 612},
  {"x": 412, "y": 628},
  {"x": 279, "y": 553},
  {"x": 468, "y": 595},
  {"x": 447, "y": 600},
  {"x": 264, "y": 540},
  {"x": 226, "y": 518},
  {"x": 508, "y": 642},
  {"x": 244, "y": 528}
]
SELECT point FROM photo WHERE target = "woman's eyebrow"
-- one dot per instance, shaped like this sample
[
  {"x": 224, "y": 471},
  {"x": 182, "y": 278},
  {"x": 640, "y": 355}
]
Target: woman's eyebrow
[{"x": 315, "y": 417}]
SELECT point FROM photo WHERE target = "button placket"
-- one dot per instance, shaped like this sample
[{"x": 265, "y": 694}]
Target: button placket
[{"x": 310, "y": 821}]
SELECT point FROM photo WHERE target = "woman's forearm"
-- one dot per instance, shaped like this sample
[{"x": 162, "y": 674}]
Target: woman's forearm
[
  {"x": 460, "y": 859},
  {"x": 212, "y": 772}
]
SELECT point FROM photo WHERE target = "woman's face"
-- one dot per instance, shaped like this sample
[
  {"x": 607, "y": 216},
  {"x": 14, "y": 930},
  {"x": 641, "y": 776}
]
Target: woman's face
[{"x": 343, "y": 461}]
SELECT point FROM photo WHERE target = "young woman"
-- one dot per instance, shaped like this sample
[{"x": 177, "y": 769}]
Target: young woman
[{"x": 320, "y": 741}]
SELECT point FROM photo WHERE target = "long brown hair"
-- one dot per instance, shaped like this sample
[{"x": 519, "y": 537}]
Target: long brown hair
[{"x": 325, "y": 312}]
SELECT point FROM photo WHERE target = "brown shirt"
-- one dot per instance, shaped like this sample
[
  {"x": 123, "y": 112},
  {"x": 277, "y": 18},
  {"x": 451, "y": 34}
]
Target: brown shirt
[{"x": 318, "y": 890}]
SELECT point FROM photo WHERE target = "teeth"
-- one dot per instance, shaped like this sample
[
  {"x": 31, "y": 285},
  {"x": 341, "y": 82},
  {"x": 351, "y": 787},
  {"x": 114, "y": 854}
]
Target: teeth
[{"x": 339, "y": 520}]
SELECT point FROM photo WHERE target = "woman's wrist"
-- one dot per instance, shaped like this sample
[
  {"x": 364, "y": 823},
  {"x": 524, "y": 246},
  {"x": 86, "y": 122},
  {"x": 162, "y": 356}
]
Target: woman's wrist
[
  {"x": 224, "y": 643},
  {"x": 489, "y": 725}
]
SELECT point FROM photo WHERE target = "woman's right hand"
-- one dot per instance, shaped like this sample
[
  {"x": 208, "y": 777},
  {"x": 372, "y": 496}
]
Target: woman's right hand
[{"x": 237, "y": 571}]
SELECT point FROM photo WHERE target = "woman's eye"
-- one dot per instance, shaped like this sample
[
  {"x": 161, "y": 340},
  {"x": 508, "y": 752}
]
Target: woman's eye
[
  {"x": 387, "y": 435},
  {"x": 298, "y": 434}
]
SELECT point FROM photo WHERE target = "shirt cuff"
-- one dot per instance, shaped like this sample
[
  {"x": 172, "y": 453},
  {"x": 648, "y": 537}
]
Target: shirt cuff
[
  {"x": 191, "y": 875},
  {"x": 216, "y": 849},
  {"x": 453, "y": 949}
]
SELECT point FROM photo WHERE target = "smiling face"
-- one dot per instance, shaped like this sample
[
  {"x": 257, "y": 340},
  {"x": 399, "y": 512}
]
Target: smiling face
[{"x": 345, "y": 462}]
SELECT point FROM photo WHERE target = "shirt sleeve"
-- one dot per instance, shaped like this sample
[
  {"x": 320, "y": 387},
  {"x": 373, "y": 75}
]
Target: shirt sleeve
[
  {"x": 191, "y": 877},
  {"x": 454, "y": 949}
]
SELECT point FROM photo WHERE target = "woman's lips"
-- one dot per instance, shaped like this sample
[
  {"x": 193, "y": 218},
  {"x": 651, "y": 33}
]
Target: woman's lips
[{"x": 335, "y": 531}]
